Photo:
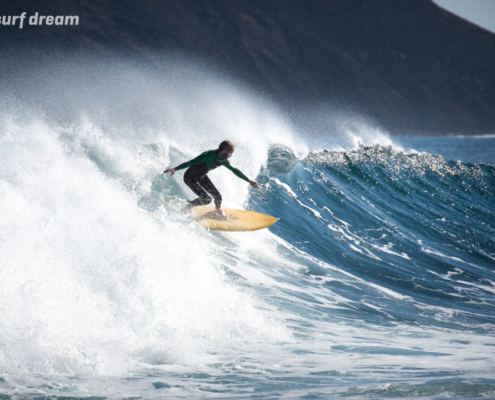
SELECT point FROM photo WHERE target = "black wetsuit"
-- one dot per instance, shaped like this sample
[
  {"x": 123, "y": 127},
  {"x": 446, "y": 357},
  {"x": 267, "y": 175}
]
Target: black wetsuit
[{"x": 196, "y": 178}]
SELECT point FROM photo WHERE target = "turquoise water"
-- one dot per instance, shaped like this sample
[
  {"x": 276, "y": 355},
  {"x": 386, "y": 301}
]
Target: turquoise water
[
  {"x": 474, "y": 150},
  {"x": 376, "y": 282}
]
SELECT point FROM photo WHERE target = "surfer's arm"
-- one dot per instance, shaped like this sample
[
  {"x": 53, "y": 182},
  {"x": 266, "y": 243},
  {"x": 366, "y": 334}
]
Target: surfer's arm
[
  {"x": 235, "y": 171},
  {"x": 240, "y": 174},
  {"x": 198, "y": 160}
]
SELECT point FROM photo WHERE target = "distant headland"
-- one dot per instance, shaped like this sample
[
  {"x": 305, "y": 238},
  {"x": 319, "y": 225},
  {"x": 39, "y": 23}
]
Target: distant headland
[{"x": 409, "y": 65}]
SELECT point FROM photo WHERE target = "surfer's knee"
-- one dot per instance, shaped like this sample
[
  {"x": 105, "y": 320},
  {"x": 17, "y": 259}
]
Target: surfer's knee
[{"x": 205, "y": 200}]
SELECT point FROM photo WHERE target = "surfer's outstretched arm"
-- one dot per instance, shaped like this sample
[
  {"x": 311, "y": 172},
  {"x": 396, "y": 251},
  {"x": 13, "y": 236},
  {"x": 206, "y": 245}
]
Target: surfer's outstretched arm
[
  {"x": 239, "y": 173},
  {"x": 198, "y": 160}
]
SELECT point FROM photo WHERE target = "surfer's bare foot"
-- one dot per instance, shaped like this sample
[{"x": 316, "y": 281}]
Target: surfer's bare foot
[{"x": 221, "y": 214}]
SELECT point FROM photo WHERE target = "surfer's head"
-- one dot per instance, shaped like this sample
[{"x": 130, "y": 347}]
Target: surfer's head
[{"x": 226, "y": 149}]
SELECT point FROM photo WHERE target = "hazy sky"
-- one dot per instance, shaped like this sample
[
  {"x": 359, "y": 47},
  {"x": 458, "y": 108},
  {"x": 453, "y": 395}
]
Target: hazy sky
[{"x": 479, "y": 12}]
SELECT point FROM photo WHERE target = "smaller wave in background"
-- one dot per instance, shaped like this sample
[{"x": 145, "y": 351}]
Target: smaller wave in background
[{"x": 468, "y": 149}]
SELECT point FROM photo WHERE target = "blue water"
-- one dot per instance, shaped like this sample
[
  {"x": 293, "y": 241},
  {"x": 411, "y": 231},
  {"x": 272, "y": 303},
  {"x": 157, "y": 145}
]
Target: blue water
[{"x": 376, "y": 282}]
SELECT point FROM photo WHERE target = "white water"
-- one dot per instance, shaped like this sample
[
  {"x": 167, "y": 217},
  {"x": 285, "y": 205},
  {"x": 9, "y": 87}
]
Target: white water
[
  {"x": 89, "y": 281},
  {"x": 99, "y": 277}
]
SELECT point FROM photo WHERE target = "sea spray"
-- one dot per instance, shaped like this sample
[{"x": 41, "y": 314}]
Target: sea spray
[
  {"x": 366, "y": 286},
  {"x": 92, "y": 282}
]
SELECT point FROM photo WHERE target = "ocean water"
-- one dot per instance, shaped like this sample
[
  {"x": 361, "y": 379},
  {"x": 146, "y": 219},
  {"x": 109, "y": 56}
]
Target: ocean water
[{"x": 378, "y": 280}]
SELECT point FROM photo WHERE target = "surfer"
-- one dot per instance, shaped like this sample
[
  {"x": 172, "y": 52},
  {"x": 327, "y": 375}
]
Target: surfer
[{"x": 196, "y": 175}]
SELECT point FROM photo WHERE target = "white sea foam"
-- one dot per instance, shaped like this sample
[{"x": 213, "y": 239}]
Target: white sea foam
[
  {"x": 100, "y": 279},
  {"x": 90, "y": 282}
]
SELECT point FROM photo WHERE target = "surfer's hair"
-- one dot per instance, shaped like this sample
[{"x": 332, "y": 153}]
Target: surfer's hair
[{"x": 226, "y": 145}]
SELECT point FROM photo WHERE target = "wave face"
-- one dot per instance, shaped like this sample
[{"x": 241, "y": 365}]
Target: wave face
[
  {"x": 377, "y": 280},
  {"x": 415, "y": 232}
]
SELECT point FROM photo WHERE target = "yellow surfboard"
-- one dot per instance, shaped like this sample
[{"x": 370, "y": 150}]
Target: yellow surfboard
[{"x": 238, "y": 220}]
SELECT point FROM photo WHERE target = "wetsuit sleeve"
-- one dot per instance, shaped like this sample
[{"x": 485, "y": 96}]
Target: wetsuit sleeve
[
  {"x": 198, "y": 160},
  {"x": 235, "y": 171}
]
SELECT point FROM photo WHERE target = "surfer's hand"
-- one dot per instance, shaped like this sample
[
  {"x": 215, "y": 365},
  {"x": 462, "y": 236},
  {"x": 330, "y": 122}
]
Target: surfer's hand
[
  {"x": 171, "y": 170},
  {"x": 254, "y": 184}
]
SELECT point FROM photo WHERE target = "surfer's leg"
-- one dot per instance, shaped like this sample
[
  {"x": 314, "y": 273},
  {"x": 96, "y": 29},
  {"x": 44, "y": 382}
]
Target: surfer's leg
[
  {"x": 208, "y": 185},
  {"x": 192, "y": 181}
]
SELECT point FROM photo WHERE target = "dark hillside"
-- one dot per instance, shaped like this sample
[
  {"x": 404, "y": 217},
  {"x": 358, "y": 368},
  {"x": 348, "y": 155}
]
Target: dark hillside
[{"x": 408, "y": 64}]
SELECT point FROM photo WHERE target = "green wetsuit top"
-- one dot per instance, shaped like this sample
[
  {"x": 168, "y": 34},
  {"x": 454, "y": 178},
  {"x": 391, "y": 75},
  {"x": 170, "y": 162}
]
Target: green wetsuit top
[{"x": 212, "y": 160}]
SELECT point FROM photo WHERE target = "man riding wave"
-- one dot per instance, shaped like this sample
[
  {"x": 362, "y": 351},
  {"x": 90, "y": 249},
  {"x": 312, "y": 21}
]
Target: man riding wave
[{"x": 196, "y": 175}]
